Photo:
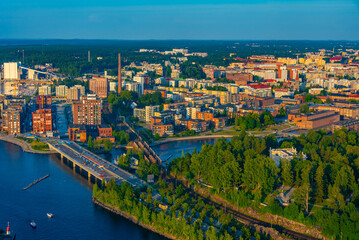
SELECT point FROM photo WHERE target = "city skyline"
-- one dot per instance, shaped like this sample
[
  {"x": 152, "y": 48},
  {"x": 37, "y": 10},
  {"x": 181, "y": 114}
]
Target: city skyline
[{"x": 230, "y": 20}]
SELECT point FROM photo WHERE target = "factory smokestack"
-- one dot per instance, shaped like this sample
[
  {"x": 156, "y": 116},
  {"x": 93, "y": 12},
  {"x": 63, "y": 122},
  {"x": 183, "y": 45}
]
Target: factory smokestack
[{"x": 119, "y": 74}]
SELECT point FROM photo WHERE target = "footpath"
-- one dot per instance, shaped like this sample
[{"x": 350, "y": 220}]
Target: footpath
[{"x": 24, "y": 145}]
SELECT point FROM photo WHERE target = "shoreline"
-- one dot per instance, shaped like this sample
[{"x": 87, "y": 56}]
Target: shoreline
[
  {"x": 130, "y": 218},
  {"x": 24, "y": 146}
]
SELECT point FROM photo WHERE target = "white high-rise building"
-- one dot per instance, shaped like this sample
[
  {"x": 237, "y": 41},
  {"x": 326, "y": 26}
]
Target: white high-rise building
[
  {"x": 133, "y": 86},
  {"x": 45, "y": 90},
  {"x": 141, "y": 81},
  {"x": 11, "y": 70},
  {"x": 82, "y": 89},
  {"x": 113, "y": 86},
  {"x": 61, "y": 91},
  {"x": 150, "y": 112}
]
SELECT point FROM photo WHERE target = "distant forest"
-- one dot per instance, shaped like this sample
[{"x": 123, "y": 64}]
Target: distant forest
[{"x": 71, "y": 56}]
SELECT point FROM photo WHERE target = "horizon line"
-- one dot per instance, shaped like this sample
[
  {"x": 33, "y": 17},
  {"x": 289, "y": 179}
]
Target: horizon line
[{"x": 173, "y": 39}]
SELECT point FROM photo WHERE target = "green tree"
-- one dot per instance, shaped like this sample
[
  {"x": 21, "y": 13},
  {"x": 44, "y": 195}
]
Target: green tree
[
  {"x": 107, "y": 145},
  {"x": 286, "y": 174},
  {"x": 90, "y": 143},
  {"x": 301, "y": 196},
  {"x": 319, "y": 184}
]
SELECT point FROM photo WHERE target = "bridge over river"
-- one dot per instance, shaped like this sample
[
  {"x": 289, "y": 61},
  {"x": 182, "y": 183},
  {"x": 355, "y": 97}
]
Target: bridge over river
[{"x": 91, "y": 165}]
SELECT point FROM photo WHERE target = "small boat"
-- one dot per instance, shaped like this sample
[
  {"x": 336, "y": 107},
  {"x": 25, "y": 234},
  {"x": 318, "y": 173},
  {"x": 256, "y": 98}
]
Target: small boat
[
  {"x": 33, "y": 224},
  {"x": 49, "y": 215}
]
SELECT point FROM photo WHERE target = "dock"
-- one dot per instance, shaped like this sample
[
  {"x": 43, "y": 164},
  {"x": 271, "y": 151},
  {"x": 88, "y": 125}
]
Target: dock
[{"x": 36, "y": 181}]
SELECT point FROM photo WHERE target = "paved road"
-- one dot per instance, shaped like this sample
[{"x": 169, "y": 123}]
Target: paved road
[{"x": 97, "y": 165}]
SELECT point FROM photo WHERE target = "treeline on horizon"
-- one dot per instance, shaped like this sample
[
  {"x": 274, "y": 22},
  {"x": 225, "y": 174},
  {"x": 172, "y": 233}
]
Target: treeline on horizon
[
  {"x": 324, "y": 175},
  {"x": 71, "y": 56}
]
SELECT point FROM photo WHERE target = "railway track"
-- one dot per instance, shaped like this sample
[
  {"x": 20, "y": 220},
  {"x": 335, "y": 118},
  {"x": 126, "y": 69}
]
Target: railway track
[{"x": 247, "y": 220}]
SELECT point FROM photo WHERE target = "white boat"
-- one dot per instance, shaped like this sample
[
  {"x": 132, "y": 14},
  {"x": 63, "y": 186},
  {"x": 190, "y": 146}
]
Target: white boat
[
  {"x": 33, "y": 224},
  {"x": 49, "y": 215}
]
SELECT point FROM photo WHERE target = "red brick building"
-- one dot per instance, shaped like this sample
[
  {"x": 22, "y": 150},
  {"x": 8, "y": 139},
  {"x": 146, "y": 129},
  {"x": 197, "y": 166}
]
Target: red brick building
[
  {"x": 207, "y": 116},
  {"x": 42, "y": 121},
  {"x": 11, "y": 121},
  {"x": 105, "y": 132},
  {"x": 87, "y": 111},
  {"x": 99, "y": 86},
  {"x": 314, "y": 120},
  {"x": 240, "y": 78},
  {"x": 349, "y": 125},
  {"x": 78, "y": 133},
  {"x": 162, "y": 129},
  {"x": 194, "y": 124},
  {"x": 43, "y": 101},
  {"x": 219, "y": 122}
]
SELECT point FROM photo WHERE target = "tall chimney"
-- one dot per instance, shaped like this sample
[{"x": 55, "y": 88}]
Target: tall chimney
[{"x": 119, "y": 74}]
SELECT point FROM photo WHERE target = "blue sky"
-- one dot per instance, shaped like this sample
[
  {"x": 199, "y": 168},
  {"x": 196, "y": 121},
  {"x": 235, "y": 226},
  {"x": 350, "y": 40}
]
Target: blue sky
[{"x": 196, "y": 19}]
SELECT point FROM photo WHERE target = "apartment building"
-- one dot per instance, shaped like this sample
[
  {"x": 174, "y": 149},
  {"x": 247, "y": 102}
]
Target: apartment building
[
  {"x": 99, "y": 86},
  {"x": 11, "y": 121},
  {"x": 61, "y": 91},
  {"x": 87, "y": 111},
  {"x": 42, "y": 121}
]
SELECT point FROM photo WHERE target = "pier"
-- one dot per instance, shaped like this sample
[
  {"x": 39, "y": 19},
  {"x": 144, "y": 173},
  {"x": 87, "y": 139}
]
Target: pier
[{"x": 36, "y": 182}]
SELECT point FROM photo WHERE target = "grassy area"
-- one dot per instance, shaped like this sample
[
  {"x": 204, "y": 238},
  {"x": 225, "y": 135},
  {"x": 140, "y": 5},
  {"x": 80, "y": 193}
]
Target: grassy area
[
  {"x": 36, "y": 144},
  {"x": 227, "y": 132}
]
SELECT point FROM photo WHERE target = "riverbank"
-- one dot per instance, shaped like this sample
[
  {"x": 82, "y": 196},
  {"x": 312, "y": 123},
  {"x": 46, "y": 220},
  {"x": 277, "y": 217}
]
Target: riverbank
[
  {"x": 130, "y": 218},
  {"x": 24, "y": 145}
]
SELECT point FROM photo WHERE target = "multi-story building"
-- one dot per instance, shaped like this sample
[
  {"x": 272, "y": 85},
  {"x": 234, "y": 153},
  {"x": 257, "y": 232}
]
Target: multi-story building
[
  {"x": 105, "y": 132},
  {"x": 80, "y": 133},
  {"x": 43, "y": 101},
  {"x": 73, "y": 93},
  {"x": 42, "y": 121},
  {"x": 349, "y": 125},
  {"x": 239, "y": 78},
  {"x": 141, "y": 83},
  {"x": 11, "y": 121},
  {"x": 315, "y": 119},
  {"x": 61, "y": 91},
  {"x": 87, "y": 111},
  {"x": 81, "y": 88},
  {"x": 346, "y": 112},
  {"x": 99, "y": 86},
  {"x": 207, "y": 116},
  {"x": 150, "y": 112},
  {"x": 283, "y": 92},
  {"x": 196, "y": 125},
  {"x": 133, "y": 86},
  {"x": 140, "y": 113},
  {"x": 162, "y": 129},
  {"x": 45, "y": 90},
  {"x": 112, "y": 86},
  {"x": 11, "y": 71}
]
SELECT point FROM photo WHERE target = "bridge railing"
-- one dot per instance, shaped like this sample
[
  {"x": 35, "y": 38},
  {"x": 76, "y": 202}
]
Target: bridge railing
[{"x": 145, "y": 146}]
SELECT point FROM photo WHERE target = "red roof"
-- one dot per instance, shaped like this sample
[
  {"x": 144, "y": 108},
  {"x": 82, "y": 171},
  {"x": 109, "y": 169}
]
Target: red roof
[
  {"x": 336, "y": 58},
  {"x": 270, "y": 80},
  {"x": 354, "y": 95},
  {"x": 259, "y": 86}
]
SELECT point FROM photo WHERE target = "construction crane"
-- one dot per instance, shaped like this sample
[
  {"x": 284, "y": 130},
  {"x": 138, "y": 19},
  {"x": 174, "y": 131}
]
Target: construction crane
[{"x": 17, "y": 82}]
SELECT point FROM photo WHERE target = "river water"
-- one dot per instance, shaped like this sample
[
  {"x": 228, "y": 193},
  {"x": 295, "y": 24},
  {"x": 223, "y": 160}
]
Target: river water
[{"x": 65, "y": 194}]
